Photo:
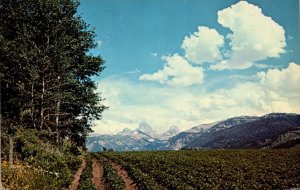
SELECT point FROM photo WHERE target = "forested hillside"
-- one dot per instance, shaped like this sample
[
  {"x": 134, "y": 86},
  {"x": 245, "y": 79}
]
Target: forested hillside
[
  {"x": 48, "y": 99},
  {"x": 273, "y": 130}
]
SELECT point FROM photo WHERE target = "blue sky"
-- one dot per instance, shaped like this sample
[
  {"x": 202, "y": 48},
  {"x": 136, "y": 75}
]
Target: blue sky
[{"x": 188, "y": 62}]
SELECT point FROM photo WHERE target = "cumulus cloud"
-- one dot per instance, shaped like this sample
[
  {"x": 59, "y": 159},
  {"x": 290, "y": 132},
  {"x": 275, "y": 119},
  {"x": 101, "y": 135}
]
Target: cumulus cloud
[
  {"x": 163, "y": 106},
  {"x": 284, "y": 82},
  {"x": 203, "y": 45},
  {"x": 275, "y": 91},
  {"x": 177, "y": 72},
  {"x": 253, "y": 36}
]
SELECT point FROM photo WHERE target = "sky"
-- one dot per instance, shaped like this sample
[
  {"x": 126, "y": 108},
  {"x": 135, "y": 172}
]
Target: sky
[{"x": 191, "y": 62}]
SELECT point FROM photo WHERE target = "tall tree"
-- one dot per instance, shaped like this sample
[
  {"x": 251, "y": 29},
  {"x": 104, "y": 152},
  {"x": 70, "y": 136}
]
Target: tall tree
[{"x": 46, "y": 70}]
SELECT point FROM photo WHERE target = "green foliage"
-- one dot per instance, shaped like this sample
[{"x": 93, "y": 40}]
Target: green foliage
[
  {"x": 212, "y": 169},
  {"x": 42, "y": 165},
  {"x": 45, "y": 70},
  {"x": 26, "y": 177},
  {"x": 39, "y": 153},
  {"x": 56, "y": 163},
  {"x": 48, "y": 99}
]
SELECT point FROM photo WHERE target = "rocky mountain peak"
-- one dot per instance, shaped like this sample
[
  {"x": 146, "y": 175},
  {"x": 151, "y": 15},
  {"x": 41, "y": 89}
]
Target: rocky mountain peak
[
  {"x": 146, "y": 128},
  {"x": 172, "y": 131},
  {"x": 125, "y": 131}
]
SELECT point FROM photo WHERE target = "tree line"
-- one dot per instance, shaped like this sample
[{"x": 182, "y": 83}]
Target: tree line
[{"x": 46, "y": 70}]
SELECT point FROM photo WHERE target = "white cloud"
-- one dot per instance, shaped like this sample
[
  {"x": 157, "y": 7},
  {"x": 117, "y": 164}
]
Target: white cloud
[
  {"x": 154, "y": 54},
  {"x": 177, "y": 72},
  {"x": 285, "y": 82},
  {"x": 263, "y": 66},
  {"x": 290, "y": 37},
  {"x": 129, "y": 103},
  {"x": 163, "y": 106},
  {"x": 254, "y": 36},
  {"x": 135, "y": 71},
  {"x": 99, "y": 43},
  {"x": 203, "y": 45},
  {"x": 274, "y": 91}
]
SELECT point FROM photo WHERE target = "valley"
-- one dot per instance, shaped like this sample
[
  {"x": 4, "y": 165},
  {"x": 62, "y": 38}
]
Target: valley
[{"x": 149, "y": 95}]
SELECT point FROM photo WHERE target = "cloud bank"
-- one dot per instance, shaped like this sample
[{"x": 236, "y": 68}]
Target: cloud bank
[{"x": 274, "y": 90}]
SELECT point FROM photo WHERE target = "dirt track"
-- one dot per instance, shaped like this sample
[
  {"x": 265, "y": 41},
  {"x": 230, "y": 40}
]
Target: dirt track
[
  {"x": 75, "y": 182},
  {"x": 129, "y": 183},
  {"x": 98, "y": 175},
  {"x": 98, "y": 180}
]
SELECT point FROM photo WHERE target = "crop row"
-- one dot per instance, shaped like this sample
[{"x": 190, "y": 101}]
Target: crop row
[
  {"x": 111, "y": 178},
  {"x": 85, "y": 182},
  {"x": 144, "y": 181},
  {"x": 226, "y": 169}
]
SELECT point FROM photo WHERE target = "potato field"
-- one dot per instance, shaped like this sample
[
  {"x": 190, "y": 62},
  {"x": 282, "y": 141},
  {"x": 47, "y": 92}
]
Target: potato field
[{"x": 202, "y": 169}]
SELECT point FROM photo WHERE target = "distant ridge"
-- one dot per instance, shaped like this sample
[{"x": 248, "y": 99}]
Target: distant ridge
[
  {"x": 185, "y": 138},
  {"x": 260, "y": 132},
  {"x": 274, "y": 130}
]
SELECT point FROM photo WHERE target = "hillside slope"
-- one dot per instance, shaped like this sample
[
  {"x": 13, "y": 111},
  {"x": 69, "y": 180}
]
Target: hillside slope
[
  {"x": 267, "y": 131},
  {"x": 200, "y": 132}
]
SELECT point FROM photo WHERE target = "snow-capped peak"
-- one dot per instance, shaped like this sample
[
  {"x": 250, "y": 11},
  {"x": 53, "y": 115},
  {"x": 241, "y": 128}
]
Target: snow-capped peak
[
  {"x": 146, "y": 128},
  {"x": 125, "y": 131},
  {"x": 202, "y": 127},
  {"x": 172, "y": 131}
]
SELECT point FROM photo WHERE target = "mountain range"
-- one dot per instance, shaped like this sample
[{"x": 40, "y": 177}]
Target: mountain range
[
  {"x": 142, "y": 138},
  {"x": 275, "y": 130}
]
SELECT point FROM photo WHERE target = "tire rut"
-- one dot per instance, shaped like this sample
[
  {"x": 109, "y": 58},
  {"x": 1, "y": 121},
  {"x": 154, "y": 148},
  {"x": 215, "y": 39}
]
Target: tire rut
[
  {"x": 75, "y": 182},
  {"x": 129, "y": 183},
  {"x": 98, "y": 174}
]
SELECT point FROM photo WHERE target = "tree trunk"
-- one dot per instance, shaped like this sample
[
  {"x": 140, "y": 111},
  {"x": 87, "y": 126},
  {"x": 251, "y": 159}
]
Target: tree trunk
[
  {"x": 57, "y": 116},
  {"x": 42, "y": 104},
  {"x": 32, "y": 104},
  {"x": 11, "y": 150},
  {"x": 0, "y": 141},
  {"x": 57, "y": 121}
]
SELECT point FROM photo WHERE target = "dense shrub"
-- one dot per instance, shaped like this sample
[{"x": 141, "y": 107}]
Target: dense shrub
[
  {"x": 22, "y": 176},
  {"x": 40, "y": 164}
]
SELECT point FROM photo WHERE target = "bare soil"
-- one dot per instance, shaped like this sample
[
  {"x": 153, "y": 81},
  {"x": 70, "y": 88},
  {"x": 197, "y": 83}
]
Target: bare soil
[
  {"x": 75, "y": 182},
  {"x": 129, "y": 183},
  {"x": 98, "y": 175}
]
